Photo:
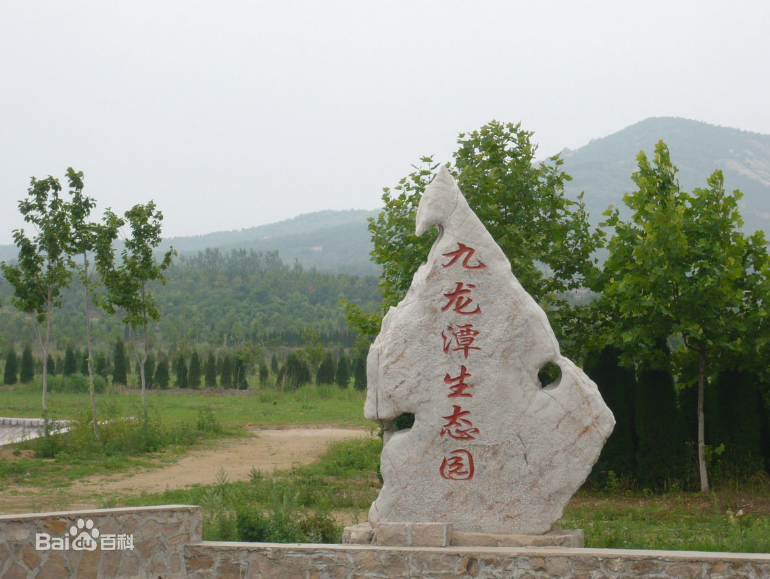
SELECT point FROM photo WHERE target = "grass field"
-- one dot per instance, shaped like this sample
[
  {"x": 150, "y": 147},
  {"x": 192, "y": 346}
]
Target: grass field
[
  {"x": 306, "y": 405},
  {"x": 312, "y": 502}
]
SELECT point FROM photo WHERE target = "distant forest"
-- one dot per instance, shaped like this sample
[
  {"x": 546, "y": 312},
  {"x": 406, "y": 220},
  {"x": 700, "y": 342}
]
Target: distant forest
[{"x": 215, "y": 300}]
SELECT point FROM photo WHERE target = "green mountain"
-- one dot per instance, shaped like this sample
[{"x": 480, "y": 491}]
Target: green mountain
[
  {"x": 328, "y": 240},
  {"x": 603, "y": 167},
  {"x": 339, "y": 241}
]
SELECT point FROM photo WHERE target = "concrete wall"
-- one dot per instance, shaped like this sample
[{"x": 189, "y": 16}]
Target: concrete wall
[
  {"x": 167, "y": 544},
  {"x": 252, "y": 561},
  {"x": 158, "y": 537}
]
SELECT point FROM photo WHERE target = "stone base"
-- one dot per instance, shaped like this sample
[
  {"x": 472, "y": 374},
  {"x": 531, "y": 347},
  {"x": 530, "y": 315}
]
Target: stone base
[{"x": 442, "y": 535}]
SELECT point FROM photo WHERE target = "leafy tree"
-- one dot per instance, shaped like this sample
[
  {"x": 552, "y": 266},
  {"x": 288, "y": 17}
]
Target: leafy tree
[
  {"x": 210, "y": 370},
  {"x": 41, "y": 271},
  {"x": 274, "y": 366},
  {"x": 546, "y": 236},
  {"x": 180, "y": 372},
  {"x": 27, "y": 372},
  {"x": 11, "y": 367},
  {"x": 325, "y": 373},
  {"x": 194, "y": 374},
  {"x": 359, "y": 372},
  {"x": 119, "y": 363},
  {"x": 70, "y": 362},
  {"x": 162, "y": 374},
  {"x": 83, "y": 240},
  {"x": 342, "y": 375},
  {"x": 226, "y": 375},
  {"x": 52, "y": 369},
  {"x": 682, "y": 268},
  {"x": 129, "y": 284}
]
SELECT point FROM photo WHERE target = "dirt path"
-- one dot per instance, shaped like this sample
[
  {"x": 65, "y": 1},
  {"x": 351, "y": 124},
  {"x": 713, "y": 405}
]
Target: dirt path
[{"x": 265, "y": 450}]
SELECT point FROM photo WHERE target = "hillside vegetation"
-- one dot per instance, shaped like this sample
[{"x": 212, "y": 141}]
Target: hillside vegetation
[
  {"x": 603, "y": 167},
  {"x": 217, "y": 298}
]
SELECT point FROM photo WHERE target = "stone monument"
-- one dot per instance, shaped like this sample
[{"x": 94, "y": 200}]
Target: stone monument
[{"x": 492, "y": 450}]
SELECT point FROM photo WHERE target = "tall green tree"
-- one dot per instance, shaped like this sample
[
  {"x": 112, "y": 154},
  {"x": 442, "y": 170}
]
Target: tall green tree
[
  {"x": 226, "y": 373},
  {"x": 70, "y": 361},
  {"x": 119, "y": 363},
  {"x": 210, "y": 370},
  {"x": 545, "y": 235},
  {"x": 342, "y": 375},
  {"x": 27, "y": 371},
  {"x": 11, "y": 367},
  {"x": 682, "y": 268},
  {"x": 84, "y": 238},
  {"x": 162, "y": 374},
  {"x": 180, "y": 372},
  {"x": 296, "y": 372},
  {"x": 149, "y": 370},
  {"x": 359, "y": 372},
  {"x": 264, "y": 374},
  {"x": 41, "y": 272},
  {"x": 129, "y": 284},
  {"x": 195, "y": 371},
  {"x": 240, "y": 370},
  {"x": 325, "y": 372}
]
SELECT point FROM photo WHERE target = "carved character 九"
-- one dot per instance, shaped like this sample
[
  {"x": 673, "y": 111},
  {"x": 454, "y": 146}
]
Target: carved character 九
[{"x": 466, "y": 253}]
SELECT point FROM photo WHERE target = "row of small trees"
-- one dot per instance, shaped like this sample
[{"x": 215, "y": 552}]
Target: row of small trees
[
  {"x": 679, "y": 270},
  {"x": 226, "y": 370},
  {"x": 67, "y": 243}
]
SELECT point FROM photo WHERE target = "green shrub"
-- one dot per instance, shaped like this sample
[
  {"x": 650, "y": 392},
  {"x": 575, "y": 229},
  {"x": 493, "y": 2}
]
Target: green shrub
[{"x": 75, "y": 384}]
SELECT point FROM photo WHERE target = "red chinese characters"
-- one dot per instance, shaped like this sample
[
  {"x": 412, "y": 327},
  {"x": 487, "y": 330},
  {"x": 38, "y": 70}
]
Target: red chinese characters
[
  {"x": 463, "y": 337},
  {"x": 457, "y": 384},
  {"x": 458, "y": 426},
  {"x": 459, "y": 300},
  {"x": 458, "y": 465},
  {"x": 464, "y": 252}
]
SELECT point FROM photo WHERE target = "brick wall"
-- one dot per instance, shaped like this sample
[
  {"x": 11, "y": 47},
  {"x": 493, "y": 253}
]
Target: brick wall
[
  {"x": 158, "y": 538},
  {"x": 211, "y": 560},
  {"x": 167, "y": 543}
]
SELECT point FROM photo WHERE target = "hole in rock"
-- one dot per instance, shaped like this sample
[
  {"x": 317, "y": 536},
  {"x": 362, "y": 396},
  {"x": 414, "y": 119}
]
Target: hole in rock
[
  {"x": 403, "y": 421},
  {"x": 548, "y": 374}
]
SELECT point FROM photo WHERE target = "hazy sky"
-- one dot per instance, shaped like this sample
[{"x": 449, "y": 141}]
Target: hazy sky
[{"x": 235, "y": 114}]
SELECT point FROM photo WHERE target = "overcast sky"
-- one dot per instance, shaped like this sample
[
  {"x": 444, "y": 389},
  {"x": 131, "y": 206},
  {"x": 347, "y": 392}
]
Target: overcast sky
[{"x": 235, "y": 114}]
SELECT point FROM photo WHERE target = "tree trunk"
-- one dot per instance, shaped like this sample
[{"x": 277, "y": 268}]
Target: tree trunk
[
  {"x": 44, "y": 346},
  {"x": 40, "y": 339},
  {"x": 139, "y": 363},
  {"x": 704, "y": 479},
  {"x": 90, "y": 361}
]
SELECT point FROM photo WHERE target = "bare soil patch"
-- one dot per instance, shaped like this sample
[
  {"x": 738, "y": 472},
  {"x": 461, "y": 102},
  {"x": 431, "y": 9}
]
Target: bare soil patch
[{"x": 265, "y": 450}]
